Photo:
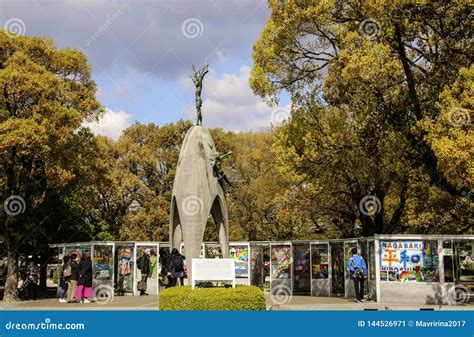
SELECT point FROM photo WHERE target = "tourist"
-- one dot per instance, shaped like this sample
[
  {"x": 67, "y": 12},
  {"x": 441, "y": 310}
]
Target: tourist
[
  {"x": 175, "y": 267},
  {"x": 143, "y": 264},
  {"x": 169, "y": 268},
  {"x": 84, "y": 281},
  {"x": 51, "y": 272},
  {"x": 164, "y": 257},
  {"x": 31, "y": 280},
  {"x": 72, "y": 272},
  {"x": 63, "y": 280},
  {"x": 358, "y": 269},
  {"x": 179, "y": 267}
]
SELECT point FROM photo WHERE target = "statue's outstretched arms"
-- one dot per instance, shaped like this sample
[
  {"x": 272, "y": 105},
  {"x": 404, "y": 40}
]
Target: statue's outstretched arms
[{"x": 227, "y": 181}]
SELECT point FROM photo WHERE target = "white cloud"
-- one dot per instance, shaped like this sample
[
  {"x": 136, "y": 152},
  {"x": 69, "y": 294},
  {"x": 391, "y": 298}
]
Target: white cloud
[
  {"x": 144, "y": 35},
  {"x": 111, "y": 124},
  {"x": 229, "y": 103}
]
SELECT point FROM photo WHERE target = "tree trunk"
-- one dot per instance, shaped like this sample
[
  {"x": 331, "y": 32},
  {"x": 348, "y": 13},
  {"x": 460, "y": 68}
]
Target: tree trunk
[{"x": 10, "y": 292}]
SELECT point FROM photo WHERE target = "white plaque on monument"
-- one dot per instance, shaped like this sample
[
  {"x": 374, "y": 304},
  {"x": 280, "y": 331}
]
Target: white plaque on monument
[{"x": 213, "y": 270}]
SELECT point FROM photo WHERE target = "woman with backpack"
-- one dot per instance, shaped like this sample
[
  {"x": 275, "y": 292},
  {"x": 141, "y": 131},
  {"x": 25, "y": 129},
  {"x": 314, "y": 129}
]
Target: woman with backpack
[
  {"x": 175, "y": 267},
  {"x": 143, "y": 264}
]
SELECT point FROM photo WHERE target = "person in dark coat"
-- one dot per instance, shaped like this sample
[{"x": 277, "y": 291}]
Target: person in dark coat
[
  {"x": 175, "y": 267},
  {"x": 168, "y": 269},
  {"x": 143, "y": 263},
  {"x": 164, "y": 253},
  {"x": 63, "y": 281},
  {"x": 31, "y": 280},
  {"x": 84, "y": 282}
]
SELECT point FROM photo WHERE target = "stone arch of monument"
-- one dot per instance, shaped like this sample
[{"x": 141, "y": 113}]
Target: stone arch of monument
[
  {"x": 197, "y": 194},
  {"x": 219, "y": 217}
]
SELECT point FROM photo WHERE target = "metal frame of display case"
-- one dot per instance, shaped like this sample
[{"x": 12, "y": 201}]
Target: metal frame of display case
[
  {"x": 360, "y": 242},
  {"x": 324, "y": 242},
  {"x": 254, "y": 245},
  {"x": 451, "y": 241},
  {"x": 272, "y": 280},
  {"x": 294, "y": 244},
  {"x": 461, "y": 279},
  {"x": 428, "y": 237},
  {"x": 129, "y": 245},
  {"x": 239, "y": 243},
  {"x": 331, "y": 244},
  {"x": 110, "y": 282},
  {"x": 135, "y": 251},
  {"x": 376, "y": 266},
  {"x": 91, "y": 245},
  {"x": 375, "y": 240},
  {"x": 348, "y": 284}
]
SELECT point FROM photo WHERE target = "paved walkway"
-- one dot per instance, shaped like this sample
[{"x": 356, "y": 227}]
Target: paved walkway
[
  {"x": 335, "y": 303},
  {"x": 294, "y": 303},
  {"x": 118, "y": 303}
]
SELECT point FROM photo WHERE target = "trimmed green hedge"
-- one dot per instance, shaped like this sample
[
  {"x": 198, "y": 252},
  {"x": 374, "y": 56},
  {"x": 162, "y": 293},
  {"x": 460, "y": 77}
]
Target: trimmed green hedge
[{"x": 239, "y": 298}]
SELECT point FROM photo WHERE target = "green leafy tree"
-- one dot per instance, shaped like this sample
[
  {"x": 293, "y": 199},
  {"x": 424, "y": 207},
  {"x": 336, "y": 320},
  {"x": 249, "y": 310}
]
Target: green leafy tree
[
  {"x": 134, "y": 200},
  {"x": 48, "y": 161},
  {"x": 371, "y": 90}
]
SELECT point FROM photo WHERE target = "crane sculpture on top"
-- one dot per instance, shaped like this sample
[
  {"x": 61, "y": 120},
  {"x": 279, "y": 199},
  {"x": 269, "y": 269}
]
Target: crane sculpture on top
[{"x": 197, "y": 78}]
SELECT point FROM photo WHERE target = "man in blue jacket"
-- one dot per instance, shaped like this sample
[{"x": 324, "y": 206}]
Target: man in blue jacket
[{"x": 358, "y": 269}]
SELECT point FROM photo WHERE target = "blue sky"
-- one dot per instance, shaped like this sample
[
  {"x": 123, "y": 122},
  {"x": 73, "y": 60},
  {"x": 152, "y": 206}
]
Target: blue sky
[{"x": 141, "y": 54}]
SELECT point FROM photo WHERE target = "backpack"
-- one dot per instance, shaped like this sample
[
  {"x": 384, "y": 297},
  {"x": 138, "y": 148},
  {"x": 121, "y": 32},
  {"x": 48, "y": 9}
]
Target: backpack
[
  {"x": 139, "y": 262},
  {"x": 357, "y": 272},
  {"x": 178, "y": 264}
]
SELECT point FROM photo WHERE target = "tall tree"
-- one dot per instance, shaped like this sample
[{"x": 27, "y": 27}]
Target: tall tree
[
  {"x": 134, "y": 200},
  {"x": 47, "y": 160},
  {"x": 385, "y": 68},
  {"x": 265, "y": 201}
]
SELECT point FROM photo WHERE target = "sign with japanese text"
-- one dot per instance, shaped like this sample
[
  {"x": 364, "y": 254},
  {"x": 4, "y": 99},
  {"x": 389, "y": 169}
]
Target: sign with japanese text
[{"x": 401, "y": 256}]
